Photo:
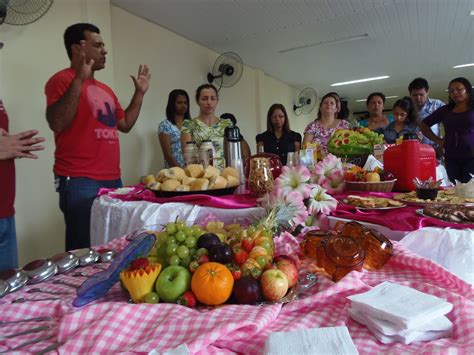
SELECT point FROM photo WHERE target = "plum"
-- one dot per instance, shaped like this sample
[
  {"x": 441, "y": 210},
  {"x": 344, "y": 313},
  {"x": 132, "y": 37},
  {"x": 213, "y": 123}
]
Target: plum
[
  {"x": 221, "y": 253},
  {"x": 247, "y": 290},
  {"x": 208, "y": 240}
]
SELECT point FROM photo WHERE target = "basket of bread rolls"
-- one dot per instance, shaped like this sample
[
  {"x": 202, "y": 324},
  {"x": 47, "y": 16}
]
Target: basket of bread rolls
[{"x": 193, "y": 179}]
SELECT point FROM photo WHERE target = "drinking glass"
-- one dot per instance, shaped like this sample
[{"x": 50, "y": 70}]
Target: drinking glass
[{"x": 292, "y": 159}]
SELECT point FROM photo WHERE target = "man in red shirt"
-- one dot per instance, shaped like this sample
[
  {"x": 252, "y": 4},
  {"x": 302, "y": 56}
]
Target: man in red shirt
[
  {"x": 11, "y": 146},
  {"x": 86, "y": 116}
]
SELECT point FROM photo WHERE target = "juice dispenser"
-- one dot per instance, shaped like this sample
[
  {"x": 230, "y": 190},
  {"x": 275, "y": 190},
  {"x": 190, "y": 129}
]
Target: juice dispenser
[{"x": 409, "y": 160}]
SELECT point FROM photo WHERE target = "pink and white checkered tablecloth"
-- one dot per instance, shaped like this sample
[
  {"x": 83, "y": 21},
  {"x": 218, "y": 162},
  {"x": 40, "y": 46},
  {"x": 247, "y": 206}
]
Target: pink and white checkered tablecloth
[{"x": 111, "y": 325}]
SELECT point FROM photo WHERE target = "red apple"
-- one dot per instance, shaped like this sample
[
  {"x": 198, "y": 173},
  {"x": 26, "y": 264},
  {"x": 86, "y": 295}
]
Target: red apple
[
  {"x": 274, "y": 284},
  {"x": 289, "y": 269}
]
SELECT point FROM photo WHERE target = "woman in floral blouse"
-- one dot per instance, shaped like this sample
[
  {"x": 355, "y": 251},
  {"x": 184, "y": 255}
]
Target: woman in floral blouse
[
  {"x": 169, "y": 130},
  {"x": 207, "y": 126},
  {"x": 322, "y": 128}
]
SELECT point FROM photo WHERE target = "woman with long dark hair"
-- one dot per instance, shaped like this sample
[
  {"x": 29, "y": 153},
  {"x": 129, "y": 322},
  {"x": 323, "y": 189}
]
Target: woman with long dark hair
[
  {"x": 405, "y": 116},
  {"x": 458, "y": 120},
  {"x": 278, "y": 139},
  {"x": 169, "y": 130}
]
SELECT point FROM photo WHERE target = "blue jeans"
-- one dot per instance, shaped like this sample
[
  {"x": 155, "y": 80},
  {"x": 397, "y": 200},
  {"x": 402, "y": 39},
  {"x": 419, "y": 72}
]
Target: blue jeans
[
  {"x": 459, "y": 169},
  {"x": 8, "y": 248},
  {"x": 76, "y": 195}
]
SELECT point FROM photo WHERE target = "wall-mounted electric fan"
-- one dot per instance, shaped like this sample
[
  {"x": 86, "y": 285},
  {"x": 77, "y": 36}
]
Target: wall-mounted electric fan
[
  {"x": 226, "y": 71},
  {"x": 305, "y": 101}
]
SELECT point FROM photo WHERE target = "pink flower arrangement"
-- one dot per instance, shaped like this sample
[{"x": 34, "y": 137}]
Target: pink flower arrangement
[
  {"x": 296, "y": 200},
  {"x": 329, "y": 174}
]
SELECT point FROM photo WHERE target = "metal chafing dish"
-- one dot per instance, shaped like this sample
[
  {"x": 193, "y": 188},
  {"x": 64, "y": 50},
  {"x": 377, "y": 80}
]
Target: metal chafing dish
[
  {"x": 14, "y": 278},
  {"x": 4, "y": 288},
  {"x": 86, "y": 256},
  {"x": 40, "y": 270},
  {"x": 106, "y": 255},
  {"x": 65, "y": 261}
]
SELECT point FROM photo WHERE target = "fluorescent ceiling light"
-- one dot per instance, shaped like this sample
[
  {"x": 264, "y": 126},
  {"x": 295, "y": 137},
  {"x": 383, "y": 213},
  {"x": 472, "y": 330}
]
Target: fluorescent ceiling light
[
  {"x": 464, "y": 65},
  {"x": 387, "y": 97},
  {"x": 471, "y": 13},
  {"x": 331, "y": 41},
  {"x": 361, "y": 80}
]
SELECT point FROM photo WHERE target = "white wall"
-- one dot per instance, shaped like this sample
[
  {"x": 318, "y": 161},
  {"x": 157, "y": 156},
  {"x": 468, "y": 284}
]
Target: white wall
[{"x": 34, "y": 52}]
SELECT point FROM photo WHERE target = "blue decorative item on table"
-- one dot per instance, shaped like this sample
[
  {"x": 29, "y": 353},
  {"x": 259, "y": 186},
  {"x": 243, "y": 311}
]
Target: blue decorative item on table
[{"x": 100, "y": 283}]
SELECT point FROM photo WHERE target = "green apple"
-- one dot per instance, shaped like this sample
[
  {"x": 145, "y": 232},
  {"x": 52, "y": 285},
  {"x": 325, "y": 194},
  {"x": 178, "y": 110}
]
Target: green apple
[{"x": 173, "y": 281}]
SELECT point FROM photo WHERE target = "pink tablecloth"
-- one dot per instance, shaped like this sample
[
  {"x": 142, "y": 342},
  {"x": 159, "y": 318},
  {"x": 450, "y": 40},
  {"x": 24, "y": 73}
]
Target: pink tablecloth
[
  {"x": 111, "y": 325},
  {"x": 139, "y": 193},
  {"x": 400, "y": 219}
]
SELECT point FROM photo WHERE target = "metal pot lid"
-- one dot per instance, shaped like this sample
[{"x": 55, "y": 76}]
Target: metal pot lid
[
  {"x": 15, "y": 278},
  {"x": 106, "y": 255},
  {"x": 86, "y": 256},
  {"x": 4, "y": 288},
  {"x": 65, "y": 261},
  {"x": 40, "y": 270}
]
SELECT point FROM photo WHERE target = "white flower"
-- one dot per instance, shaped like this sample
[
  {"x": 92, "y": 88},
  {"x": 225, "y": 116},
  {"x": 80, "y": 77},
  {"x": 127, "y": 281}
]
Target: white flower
[
  {"x": 320, "y": 201},
  {"x": 294, "y": 179}
]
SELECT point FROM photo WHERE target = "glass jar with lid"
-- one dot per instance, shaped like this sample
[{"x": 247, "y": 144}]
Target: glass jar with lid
[{"x": 260, "y": 176}]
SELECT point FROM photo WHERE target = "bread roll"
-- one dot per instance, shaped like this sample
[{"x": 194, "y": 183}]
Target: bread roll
[
  {"x": 217, "y": 182},
  {"x": 200, "y": 184},
  {"x": 148, "y": 179},
  {"x": 194, "y": 170},
  {"x": 183, "y": 188},
  {"x": 187, "y": 180},
  {"x": 211, "y": 171},
  {"x": 232, "y": 181},
  {"x": 175, "y": 173},
  {"x": 230, "y": 171},
  {"x": 160, "y": 176},
  {"x": 154, "y": 186},
  {"x": 170, "y": 185}
]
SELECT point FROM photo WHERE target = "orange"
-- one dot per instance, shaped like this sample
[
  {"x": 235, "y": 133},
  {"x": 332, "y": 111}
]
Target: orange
[{"x": 212, "y": 283}]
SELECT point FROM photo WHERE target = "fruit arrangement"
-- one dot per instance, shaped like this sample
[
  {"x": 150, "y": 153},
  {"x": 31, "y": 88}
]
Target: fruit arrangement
[
  {"x": 212, "y": 265},
  {"x": 353, "y": 142},
  {"x": 193, "y": 178},
  {"x": 358, "y": 174}
]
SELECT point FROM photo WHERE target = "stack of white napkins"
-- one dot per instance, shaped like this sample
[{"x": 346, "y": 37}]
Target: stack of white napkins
[
  {"x": 394, "y": 313},
  {"x": 309, "y": 341}
]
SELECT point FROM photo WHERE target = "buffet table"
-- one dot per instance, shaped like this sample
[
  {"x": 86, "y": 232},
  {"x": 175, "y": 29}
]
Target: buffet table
[
  {"x": 452, "y": 246},
  {"x": 111, "y": 325}
]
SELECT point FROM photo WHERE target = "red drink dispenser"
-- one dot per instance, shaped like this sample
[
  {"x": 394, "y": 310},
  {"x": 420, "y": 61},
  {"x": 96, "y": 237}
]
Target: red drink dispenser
[{"x": 409, "y": 160}]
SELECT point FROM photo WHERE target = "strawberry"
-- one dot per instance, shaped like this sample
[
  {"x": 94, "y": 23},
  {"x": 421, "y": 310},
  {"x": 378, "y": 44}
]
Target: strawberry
[
  {"x": 140, "y": 263},
  {"x": 203, "y": 259},
  {"x": 187, "y": 299},
  {"x": 240, "y": 257},
  {"x": 235, "y": 271},
  {"x": 247, "y": 244},
  {"x": 193, "y": 265}
]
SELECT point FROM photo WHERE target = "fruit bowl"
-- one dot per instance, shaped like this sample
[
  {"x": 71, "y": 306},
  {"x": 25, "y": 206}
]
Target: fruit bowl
[
  {"x": 381, "y": 186},
  {"x": 358, "y": 160}
]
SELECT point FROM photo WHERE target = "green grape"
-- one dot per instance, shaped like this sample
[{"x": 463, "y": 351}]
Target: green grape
[
  {"x": 174, "y": 260},
  {"x": 250, "y": 231},
  {"x": 190, "y": 242},
  {"x": 171, "y": 240},
  {"x": 185, "y": 262},
  {"x": 171, "y": 249},
  {"x": 180, "y": 236},
  {"x": 200, "y": 252},
  {"x": 197, "y": 231},
  {"x": 188, "y": 231},
  {"x": 192, "y": 251},
  {"x": 171, "y": 228},
  {"x": 180, "y": 225},
  {"x": 182, "y": 251},
  {"x": 152, "y": 298}
]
